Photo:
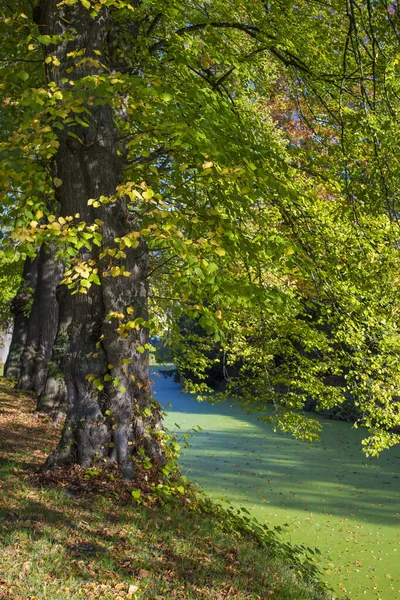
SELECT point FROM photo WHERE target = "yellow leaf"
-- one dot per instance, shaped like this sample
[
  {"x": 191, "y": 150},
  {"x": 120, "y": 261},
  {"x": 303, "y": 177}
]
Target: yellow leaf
[
  {"x": 134, "y": 194},
  {"x": 119, "y": 586},
  {"x": 148, "y": 194},
  {"x": 57, "y": 181},
  {"x": 208, "y": 164}
]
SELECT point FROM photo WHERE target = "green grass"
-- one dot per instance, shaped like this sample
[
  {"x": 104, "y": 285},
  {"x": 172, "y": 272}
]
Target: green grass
[{"x": 69, "y": 537}]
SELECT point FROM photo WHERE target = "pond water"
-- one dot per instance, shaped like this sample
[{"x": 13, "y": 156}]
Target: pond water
[{"x": 329, "y": 493}]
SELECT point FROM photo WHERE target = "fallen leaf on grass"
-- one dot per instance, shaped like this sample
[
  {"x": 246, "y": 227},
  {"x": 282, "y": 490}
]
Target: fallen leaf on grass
[
  {"x": 119, "y": 586},
  {"x": 143, "y": 573}
]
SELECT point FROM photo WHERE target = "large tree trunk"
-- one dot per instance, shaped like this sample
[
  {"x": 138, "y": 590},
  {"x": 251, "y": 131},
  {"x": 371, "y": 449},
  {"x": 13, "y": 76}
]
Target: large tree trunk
[
  {"x": 112, "y": 419},
  {"x": 53, "y": 399},
  {"x": 20, "y": 308},
  {"x": 42, "y": 325}
]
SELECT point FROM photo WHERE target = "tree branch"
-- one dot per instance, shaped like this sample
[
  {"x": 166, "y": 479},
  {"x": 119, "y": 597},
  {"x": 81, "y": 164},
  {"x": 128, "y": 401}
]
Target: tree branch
[{"x": 251, "y": 30}]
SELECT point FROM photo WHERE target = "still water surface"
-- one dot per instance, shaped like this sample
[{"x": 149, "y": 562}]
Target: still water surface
[{"x": 331, "y": 496}]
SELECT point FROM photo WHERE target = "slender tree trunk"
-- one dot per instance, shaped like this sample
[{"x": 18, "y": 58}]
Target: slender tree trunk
[
  {"x": 117, "y": 416},
  {"x": 42, "y": 325},
  {"x": 53, "y": 399},
  {"x": 20, "y": 308}
]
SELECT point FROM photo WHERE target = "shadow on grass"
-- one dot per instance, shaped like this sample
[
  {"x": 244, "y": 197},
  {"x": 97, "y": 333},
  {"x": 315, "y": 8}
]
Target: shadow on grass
[
  {"x": 25, "y": 435},
  {"x": 166, "y": 549},
  {"x": 56, "y": 544}
]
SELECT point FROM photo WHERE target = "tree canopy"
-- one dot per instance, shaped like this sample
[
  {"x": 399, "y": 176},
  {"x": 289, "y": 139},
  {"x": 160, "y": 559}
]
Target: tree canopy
[{"x": 232, "y": 161}]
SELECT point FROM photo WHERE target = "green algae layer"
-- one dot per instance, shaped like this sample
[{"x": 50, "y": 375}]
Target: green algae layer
[{"x": 330, "y": 495}]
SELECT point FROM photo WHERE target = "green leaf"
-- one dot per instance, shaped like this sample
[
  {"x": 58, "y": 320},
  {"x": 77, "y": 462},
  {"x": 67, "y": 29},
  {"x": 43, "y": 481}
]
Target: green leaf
[
  {"x": 98, "y": 384},
  {"x": 136, "y": 494},
  {"x": 24, "y": 75}
]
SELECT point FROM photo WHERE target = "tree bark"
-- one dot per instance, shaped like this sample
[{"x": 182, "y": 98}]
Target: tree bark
[
  {"x": 53, "y": 399},
  {"x": 20, "y": 308},
  {"x": 42, "y": 325},
  {"x": 113, "y": 421}
]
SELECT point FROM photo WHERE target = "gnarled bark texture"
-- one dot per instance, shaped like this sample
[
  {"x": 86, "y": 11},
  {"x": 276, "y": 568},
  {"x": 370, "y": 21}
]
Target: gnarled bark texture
[
  {"x": 20, "y": 308},
  {"x": 42, "y": 325},
  {"x": 114, "y": 422}
]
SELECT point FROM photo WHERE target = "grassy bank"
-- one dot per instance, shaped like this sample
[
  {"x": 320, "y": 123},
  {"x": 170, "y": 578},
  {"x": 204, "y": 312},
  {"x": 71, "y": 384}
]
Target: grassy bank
[{"x": 69, "y": 537}]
